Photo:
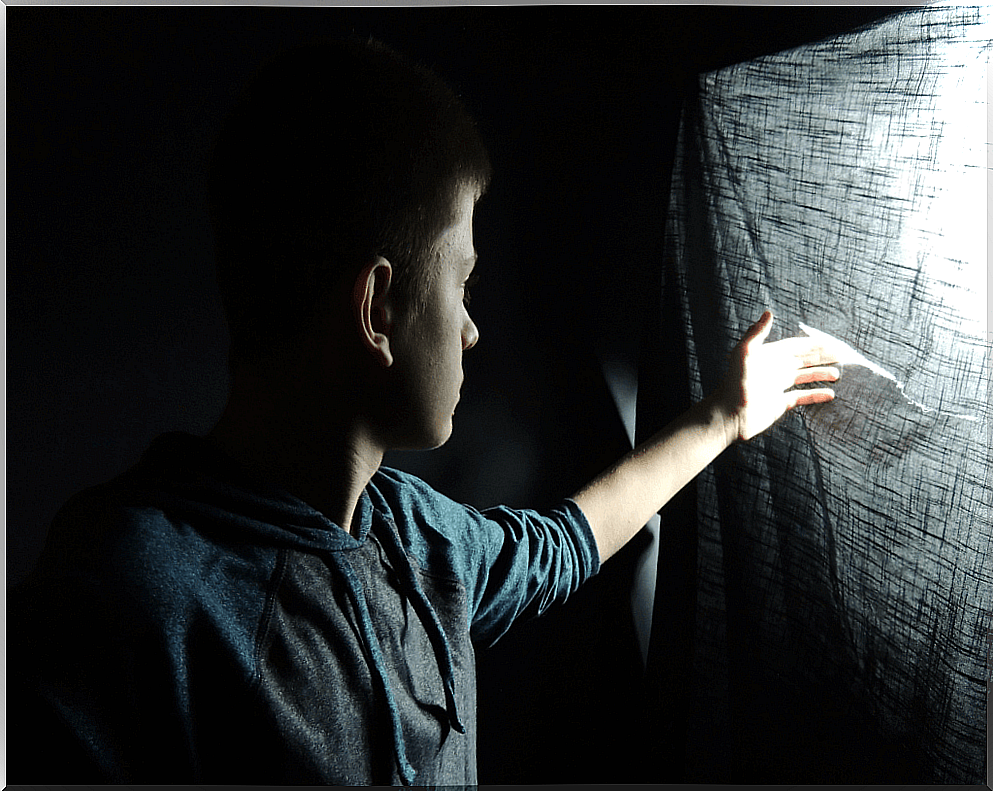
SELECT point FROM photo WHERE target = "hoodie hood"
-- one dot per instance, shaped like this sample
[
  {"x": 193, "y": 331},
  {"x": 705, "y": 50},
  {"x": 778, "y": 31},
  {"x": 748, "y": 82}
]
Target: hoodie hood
[{"x": 189, "y": 477}]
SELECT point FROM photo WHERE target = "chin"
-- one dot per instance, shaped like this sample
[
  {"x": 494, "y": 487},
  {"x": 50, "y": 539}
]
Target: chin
[
  {"x": 441, "y": 438},
  {"x": 428, "y": 438}
]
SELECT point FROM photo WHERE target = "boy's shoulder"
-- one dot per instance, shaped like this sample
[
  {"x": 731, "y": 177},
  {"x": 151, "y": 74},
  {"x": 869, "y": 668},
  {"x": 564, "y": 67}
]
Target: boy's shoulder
[
  {"x": 397, "y": 484},
  {"x": 423, "y": 515}
]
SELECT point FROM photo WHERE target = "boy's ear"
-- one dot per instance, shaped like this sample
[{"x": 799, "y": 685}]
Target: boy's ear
[{"x": 373, "y": 309}]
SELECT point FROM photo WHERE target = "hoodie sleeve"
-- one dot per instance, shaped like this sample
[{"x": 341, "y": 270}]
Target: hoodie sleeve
[
  {"x": 510, "y": 561},
  {"x": 522, "y": 561}
]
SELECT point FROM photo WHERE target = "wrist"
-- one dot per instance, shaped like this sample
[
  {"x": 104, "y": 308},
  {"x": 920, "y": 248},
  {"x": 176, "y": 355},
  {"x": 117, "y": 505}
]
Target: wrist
[{"x": 724, "y": 416}]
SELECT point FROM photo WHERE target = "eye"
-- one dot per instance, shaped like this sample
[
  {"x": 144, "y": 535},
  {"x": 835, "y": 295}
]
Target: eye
[{"x": 470, "y": 283}]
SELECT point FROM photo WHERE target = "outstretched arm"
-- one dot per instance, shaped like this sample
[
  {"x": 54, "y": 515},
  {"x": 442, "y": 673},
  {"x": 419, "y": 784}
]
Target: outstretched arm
[{"x": 752, "y": 397}]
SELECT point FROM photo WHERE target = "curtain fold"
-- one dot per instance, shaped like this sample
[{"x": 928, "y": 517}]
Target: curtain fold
[{"x": 844, "y": 587}]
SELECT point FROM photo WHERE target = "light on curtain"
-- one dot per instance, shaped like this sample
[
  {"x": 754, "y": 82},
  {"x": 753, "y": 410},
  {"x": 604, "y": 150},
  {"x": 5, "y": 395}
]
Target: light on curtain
[{"x": 845, "y": 590}]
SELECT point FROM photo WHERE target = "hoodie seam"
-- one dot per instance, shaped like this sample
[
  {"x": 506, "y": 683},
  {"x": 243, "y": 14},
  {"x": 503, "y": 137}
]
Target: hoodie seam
[{"x": 265, "y": 622}]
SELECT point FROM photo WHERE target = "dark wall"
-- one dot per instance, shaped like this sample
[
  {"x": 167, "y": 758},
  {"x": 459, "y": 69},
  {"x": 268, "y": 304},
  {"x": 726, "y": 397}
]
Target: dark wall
[
  {"x": 114, "y": 325},
  {"x": 115, "y": 332}
]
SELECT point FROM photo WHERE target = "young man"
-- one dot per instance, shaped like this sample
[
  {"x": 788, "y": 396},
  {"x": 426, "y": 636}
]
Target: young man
[{"x": 268, "y": 604}]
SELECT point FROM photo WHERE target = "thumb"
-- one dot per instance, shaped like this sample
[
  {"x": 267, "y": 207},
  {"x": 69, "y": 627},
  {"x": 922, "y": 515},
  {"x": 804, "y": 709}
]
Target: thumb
[{"x": 759, "y": 331}]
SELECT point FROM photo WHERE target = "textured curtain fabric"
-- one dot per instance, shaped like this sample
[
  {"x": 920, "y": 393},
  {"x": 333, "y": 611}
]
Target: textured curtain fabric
[{"x": 841, "y": 614}]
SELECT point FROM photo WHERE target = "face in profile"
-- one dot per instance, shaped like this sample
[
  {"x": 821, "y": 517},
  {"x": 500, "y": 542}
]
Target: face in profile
[{"x": 429, "y": 340}]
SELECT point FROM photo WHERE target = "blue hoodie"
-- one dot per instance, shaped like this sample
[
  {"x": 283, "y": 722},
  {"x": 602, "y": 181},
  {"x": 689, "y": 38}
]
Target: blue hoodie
[{"x": 189, "y": 623}]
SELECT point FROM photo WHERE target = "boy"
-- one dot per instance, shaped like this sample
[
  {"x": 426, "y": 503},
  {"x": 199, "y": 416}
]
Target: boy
[{"x": 268, "y": 604}]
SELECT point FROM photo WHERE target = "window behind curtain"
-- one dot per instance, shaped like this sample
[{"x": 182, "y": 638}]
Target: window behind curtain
[{"x": 844, "y": 596}]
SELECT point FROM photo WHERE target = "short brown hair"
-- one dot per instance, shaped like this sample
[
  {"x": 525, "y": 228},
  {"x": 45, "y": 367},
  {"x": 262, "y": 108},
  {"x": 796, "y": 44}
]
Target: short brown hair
[{"x": 336, "y": 152}]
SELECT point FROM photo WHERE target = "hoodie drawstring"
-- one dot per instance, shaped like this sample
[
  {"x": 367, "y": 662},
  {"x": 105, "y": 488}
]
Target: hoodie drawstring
[
  {"x": 378, "y": 667},
  {"x": 429, "y": 618},
  {"x": 390, "y": 542}
]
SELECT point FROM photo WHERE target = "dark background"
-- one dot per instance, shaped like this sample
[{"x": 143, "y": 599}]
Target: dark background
[{"x": 114, "y": 325}]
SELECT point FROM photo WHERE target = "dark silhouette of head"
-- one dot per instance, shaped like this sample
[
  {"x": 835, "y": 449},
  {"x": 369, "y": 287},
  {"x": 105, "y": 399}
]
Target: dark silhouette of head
[{"x": 336, "y": 153}]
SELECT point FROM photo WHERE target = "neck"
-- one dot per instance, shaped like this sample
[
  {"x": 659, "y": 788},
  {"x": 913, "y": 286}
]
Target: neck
[{"x": 315, "y": 448}]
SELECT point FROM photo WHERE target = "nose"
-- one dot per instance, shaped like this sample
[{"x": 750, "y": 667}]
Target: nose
[{"x": 470, "y": 335}]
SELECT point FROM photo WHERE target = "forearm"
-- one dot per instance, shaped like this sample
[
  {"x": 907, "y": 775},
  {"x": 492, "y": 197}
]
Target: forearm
[
  {"x": 756, "y": 393},
  {"x": 621, "y": 500}
]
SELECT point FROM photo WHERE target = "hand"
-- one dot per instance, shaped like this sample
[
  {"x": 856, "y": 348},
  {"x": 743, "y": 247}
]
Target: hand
[{"x": 754, "y": 393}]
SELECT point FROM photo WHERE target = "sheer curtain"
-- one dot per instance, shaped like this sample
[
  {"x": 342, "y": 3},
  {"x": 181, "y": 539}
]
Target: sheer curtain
[{"x": 838, "y": 629}]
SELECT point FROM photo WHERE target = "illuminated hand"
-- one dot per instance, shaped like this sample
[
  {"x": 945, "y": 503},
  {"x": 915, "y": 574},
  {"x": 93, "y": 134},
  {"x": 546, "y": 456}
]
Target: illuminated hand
[{"x": 754, "y": 393}]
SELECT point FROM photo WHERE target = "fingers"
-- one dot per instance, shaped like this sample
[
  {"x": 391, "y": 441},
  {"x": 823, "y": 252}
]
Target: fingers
[
  {"x": 808, "y": 351},
  {"x": 806, "y": 397},
  {"x": 787, "y": 363},
  {"x": 817, "y": 355},
  {"x": 808, "y": 375}
]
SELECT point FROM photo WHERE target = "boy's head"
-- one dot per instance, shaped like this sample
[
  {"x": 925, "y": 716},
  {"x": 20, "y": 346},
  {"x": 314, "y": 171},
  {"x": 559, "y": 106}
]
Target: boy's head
[{"x": 336, "y": 154}]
